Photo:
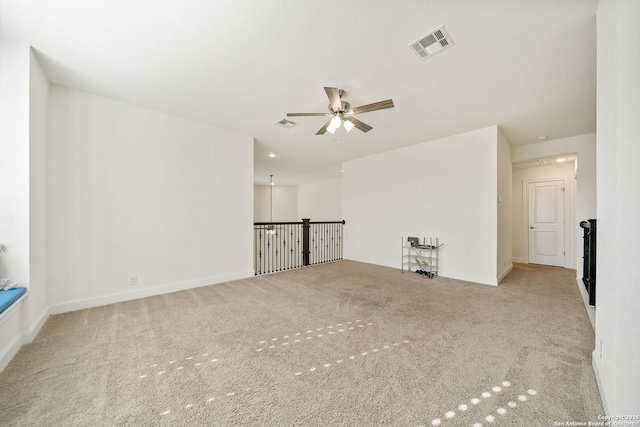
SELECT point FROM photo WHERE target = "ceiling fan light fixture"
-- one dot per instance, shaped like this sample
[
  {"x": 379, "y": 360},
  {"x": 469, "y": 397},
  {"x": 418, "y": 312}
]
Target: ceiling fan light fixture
[
  {"x": 335, "y": 122},
  {"x": 339, "y": 108},
  {"x": 348, "y": 125}
]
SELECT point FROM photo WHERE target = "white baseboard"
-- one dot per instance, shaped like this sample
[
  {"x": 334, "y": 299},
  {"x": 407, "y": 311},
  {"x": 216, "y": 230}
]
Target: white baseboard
[
  {"x": 505, "y": 272},
  {"x": 591, "y": 311},
  {"x": 10, "y": 351},
  {"x": 29, "y": 335},
  {"x": 595, "y": 362},
  {"x": 99, "y": 300},
  {"x": 10, "y": 333},
  {"x": 519, "y": 260}
]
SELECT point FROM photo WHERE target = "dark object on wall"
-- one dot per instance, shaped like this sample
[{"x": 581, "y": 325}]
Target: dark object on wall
[{"x": 589, "y": 261}]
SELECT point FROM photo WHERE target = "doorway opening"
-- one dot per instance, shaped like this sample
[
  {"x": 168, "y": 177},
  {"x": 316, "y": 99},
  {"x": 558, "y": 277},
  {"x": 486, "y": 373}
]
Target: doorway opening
[
  {"x": 546, "y": 219},
  {"x": 544, "y": 197}
]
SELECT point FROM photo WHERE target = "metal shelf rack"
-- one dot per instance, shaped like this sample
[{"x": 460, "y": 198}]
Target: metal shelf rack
[{"x": 421, "y": 258}]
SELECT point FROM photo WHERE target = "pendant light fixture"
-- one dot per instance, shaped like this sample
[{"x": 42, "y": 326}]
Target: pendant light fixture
[{"x": 270, "y": 228}]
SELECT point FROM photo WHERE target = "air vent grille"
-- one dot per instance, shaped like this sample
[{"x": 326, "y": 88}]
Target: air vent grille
[
  {"x": 429, "y": 40},
  {"x": 286, "y": 123},
  {"x": 432, "y": 43}
]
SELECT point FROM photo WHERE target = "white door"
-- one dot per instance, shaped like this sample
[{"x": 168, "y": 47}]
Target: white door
[{"x": 546, "y": 223}]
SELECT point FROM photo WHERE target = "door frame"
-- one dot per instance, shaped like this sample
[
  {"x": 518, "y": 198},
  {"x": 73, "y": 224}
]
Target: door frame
[{"x": 569, "y": 209}]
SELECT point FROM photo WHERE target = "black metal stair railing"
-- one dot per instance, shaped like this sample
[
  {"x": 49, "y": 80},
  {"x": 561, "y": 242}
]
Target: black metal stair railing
[{"x": 282, "y": 246}]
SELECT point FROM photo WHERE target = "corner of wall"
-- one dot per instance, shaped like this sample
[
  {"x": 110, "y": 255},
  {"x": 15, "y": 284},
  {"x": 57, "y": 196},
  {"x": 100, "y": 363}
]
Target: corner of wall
[
  {"x": 504, "y": 213},
  {"x": 38, "y": 185},
  {"x": 16, "y": 329},
  {"x": 33, "y": 327},
  {"x": 505, "y": 272}
]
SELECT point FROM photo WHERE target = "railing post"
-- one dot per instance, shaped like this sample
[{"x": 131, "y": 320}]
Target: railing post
[{"x": 305, "y": 241}]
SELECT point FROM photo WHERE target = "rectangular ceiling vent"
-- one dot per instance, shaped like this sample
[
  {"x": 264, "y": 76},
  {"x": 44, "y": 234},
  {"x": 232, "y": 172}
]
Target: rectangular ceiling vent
[
  {"x": 432, "y": 43},
  {"x": 285, "y": 123}
]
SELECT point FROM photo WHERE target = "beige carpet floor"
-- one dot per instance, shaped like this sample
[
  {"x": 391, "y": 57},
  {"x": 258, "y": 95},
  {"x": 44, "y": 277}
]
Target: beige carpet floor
[{"x": 339, "y": 344}]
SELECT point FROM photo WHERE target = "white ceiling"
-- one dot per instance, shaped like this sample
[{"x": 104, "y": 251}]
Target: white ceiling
[{"x": 525, "y": 65}]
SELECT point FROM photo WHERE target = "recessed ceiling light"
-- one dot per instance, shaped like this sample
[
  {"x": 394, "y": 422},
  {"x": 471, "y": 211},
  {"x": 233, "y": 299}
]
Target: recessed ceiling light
[
  {"x": 271, "y": 155},
  {"x": 561, "y": 160}
]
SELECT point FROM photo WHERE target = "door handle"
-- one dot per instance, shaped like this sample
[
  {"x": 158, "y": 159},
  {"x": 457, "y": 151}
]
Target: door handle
[{"x": 531, "y": 227}]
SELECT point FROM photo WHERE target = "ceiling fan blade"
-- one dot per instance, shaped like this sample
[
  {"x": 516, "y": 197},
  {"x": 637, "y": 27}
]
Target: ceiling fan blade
[
  {"x": 323, "y": 129},
  {"x": 307, "y": 114},
  {"x": 334, "y": 97},
  {"x": 358, "y": 124},
  {"x": 372, "y": 107}
]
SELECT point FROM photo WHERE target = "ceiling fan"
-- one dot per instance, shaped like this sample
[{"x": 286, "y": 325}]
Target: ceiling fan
[{"x": 341, "y": 112}]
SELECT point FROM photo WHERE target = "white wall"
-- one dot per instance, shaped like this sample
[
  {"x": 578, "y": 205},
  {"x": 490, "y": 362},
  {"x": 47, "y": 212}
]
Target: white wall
[
  {"x": 37, "y": 307},
  {"x": 520, "y": 214},
  {"x": 285, "y": 203},
  {"x": 444, "y": 188},
  {"x": 23, "y": 222},
  {"x": 260, "y": 203},
  {"x": 321, "y": 201},
  {"x": 504, "y": 202},
  {"x": 14, "y": 188},
  {"x": 585, "y": 186},
  {"x": 615, "y": 358},
  {"x": 133, "y": 192},
  {"x": 14, "y": 160}
]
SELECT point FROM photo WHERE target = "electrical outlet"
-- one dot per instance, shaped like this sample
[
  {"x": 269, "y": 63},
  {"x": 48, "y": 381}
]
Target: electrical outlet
[{"x": 133, "y": 280}]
